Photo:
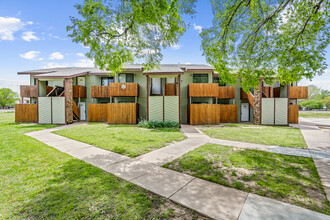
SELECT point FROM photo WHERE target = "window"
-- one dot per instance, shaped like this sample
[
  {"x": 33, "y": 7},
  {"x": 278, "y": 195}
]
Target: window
[
  {"x": 200, "y": 78},
  {"x": 35, "y": 82},
  {"x": 105, "y": 81},
  {"x": 219, "y": 81},
  {"x": 128, "y": 77},
  {"x": 156, "y": 86}
]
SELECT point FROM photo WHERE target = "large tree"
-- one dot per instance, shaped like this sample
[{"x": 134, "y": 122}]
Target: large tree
[
  {"x": 119, "y": 31},
  {"x": 8, "y": 97},
  {"x": 249, "y": 39}
]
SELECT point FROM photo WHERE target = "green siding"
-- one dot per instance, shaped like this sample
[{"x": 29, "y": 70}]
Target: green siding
[
  {"x": 171, "y": 108},
  {"x": 156, "y": 108}
]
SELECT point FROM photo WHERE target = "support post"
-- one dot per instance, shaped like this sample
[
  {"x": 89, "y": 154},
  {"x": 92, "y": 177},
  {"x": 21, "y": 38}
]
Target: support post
[
  {"x": 179, "y": 93},
  {"x": 68, "y": 93},
  {"x": 147, "y": 97}
]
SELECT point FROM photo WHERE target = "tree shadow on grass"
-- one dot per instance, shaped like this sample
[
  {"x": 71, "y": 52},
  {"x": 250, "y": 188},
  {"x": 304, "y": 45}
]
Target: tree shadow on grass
[{"x": 79, "y": 190}]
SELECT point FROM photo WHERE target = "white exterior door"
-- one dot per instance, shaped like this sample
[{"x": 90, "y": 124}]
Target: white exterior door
[
  {"x": 82, "y": 107},
  {"x": 81, "y": 81},
  {"x": 244, "y": 111}
]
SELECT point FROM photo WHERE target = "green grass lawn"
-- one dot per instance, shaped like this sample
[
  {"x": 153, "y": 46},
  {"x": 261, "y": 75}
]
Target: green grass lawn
[
  {"x": 40, "y": 182},
  {"x": 123, "y": 139},
  {"x": 287, "y": 178},
  {"x": 314, "y": 114},
  {"x": 269, "y": 135}
]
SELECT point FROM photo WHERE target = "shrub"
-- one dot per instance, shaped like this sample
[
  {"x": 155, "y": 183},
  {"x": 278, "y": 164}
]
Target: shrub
[
  {"x": 311, "y": 104},
  {"x": 158, "y": 124}
]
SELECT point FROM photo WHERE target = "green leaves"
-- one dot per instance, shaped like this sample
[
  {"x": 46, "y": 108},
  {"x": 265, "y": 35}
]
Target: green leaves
[
  {"x": 282, "y": 39},
  {"x": 8, "y": 97},
  {"x": 118, "y": 32}
]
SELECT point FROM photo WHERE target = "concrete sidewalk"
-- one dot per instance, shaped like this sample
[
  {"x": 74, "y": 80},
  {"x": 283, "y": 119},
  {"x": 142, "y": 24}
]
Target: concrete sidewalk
[
  {"x": 318, "y": 140},
  {"x": 210, "y": 199}
]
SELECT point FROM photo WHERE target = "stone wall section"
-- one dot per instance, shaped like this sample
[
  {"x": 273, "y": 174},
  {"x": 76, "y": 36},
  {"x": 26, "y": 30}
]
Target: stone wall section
[
  {"x": 68, "y": 100},
  {"x": 257, "y": 107}
]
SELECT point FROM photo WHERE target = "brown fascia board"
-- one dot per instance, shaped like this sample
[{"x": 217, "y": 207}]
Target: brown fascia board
[
  {"x": 105, "y": 73},
  {"x": 61, "y": 77},
  {"x": 199, "y": 70},
  {"x": 163, "y": 73}
]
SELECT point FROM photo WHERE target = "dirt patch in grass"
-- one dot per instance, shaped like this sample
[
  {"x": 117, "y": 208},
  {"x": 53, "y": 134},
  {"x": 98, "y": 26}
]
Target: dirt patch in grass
[{"x": 286, "y": 178}]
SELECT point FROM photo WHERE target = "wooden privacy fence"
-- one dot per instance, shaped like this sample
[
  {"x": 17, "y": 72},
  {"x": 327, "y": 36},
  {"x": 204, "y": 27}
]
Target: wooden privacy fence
[
  {"x": 204, "y": 114},
  {"x": 97, "y": 112},
  {"x": 226, "y": 92},
  {"x": 113, "y": 113},
  {"x": 228, "y": 113},
  {"x": 293, "y": 113},
  {"x": 203, "y": 90},
  {"x": 26, "y": 113},
  {"x": 212, "y": 114},
  {"x": 122, "y": 113}
]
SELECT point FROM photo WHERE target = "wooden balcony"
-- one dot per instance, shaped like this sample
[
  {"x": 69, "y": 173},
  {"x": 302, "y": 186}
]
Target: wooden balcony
[
  {"x": 79, "y": 92},
  {"x": 298, "y": 92},
  {"x": 123, "y": 89},
  {"x": 28, "y": 91},
  {"x": 226, "y": 92},
  {"x": 171, "y": 89},
  {"x": 100, "y": 91},
  {"x": 203, "y": 90}
]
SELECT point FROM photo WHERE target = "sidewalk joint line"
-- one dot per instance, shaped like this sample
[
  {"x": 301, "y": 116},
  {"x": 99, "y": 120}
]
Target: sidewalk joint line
[{"x": 181, "y": 187}]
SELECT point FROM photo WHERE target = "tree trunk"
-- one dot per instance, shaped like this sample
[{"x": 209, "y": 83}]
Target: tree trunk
[{"x": 257, "y": 107}]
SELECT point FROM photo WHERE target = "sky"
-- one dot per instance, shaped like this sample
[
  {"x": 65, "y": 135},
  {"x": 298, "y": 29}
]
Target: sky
[{"x": 33, "y": 36}]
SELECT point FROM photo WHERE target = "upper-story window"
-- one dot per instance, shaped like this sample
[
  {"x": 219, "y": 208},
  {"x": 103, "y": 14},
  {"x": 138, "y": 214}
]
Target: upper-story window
[
  {"x": 126, "y": 77},
  {"x": 219, "y": 81},
  {"x": 35, "y": 81},
  {"x": 200, "y": 78},
  {"x": 105, "y": 81}
]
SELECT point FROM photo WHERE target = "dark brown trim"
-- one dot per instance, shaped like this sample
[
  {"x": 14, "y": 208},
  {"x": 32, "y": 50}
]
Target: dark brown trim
[
  {"x": 65, "y": 109},
  {"x": 179, "y": 94},
  {"x": 162, "y": 73},
  {"x": 288, "y": 91},
  {"x": 199, "y": 70},
  {"x": 37, "y": 101},
  {"x": 51, "y": 110},
  {"x": 274, "y": 110},
  {"x": 147, "y": 97},
  {"x": 163, "y": 107},
  {"x": 260, "y": 99},
  {"x": 62, "y": 77}
]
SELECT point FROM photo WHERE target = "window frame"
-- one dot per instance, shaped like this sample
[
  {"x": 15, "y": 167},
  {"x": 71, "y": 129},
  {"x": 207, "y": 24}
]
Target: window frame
[{"x": 200, "y": 75}]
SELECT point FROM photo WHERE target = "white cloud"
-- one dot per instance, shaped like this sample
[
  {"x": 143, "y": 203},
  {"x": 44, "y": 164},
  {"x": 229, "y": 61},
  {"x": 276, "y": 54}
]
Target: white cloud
[
  {"x": 188, "y": 63},
  {"x": 84, "y": 63},
  {"x": 176, "y": 46},
  {"x": 29, "y": 35},
  {"x": 56, "y": 56},
  {"x": 54, "y": 65},
  {"x": 80, "y": 55},
  {"x": 198, "y": 28},
  {"x": 31, "y": 55},
  {"x": 13, "y": 84},
  {"x": 8, "y": 26}
]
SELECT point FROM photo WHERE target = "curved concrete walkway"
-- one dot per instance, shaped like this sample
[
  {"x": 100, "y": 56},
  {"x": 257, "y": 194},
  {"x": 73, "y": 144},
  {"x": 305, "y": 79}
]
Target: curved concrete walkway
[
  {"x": 210, "y": 199},
  {"x": 318, "y": 140}
]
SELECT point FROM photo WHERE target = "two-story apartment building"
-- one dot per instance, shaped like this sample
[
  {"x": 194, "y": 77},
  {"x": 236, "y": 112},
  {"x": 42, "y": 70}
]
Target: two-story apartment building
[{"x": 183, "y": 93}]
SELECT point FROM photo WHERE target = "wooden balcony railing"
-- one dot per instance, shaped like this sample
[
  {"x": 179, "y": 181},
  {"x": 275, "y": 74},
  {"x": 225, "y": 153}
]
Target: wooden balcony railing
[
  {"x": 298, "y": 92},
  {"x": 100, "y": 91},
  {"x": 79, "y": 92},
  {"x": 49, "y": 89},
  {"x": 203, "y": 90},
  {"x": 124, "y": 89},
  {"x": 171, "y": 89},
  {"x": 28, "y": 91},
  {"x": 250, "y": 97},
  {"x": 226, "y": 92}
]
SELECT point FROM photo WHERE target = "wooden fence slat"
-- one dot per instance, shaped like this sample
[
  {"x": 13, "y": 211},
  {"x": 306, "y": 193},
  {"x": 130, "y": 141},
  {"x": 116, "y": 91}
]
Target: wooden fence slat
[
  {"x": 293, "y": 113},
  {"x": 122, "y": 113},
  {"x": 97, "y": 112},
  {"x": 204, "y": 113},
  {"x": 26, "y": 113},
  {"x": 228, "y": 113}
]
